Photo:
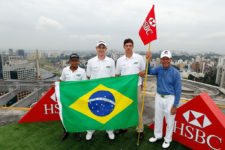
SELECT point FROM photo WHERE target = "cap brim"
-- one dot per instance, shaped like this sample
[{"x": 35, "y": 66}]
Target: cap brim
[
  {"x": 101, "y": 44},
  {"x": 165, "y": 56},
  {"x": 74, "y": 58}
]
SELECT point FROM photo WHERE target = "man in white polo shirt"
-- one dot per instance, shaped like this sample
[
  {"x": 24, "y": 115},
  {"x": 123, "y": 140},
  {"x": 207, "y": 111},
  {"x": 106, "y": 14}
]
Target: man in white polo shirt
[
  {"x": 72, "y": 73},
  {"x": 100, "y": 66},
  {"x": 132, "y": 63}
]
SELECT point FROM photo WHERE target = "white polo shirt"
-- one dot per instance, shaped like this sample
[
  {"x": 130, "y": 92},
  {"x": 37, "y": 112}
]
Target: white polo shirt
[
  {"x": 69, "y": 75},
  {"x": 132, "y": 65},
  {"x": 97, "y": 68}
]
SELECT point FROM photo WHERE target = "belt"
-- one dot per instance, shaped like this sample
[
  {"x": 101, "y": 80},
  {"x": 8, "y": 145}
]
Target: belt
[{"x": 163, "y": 96}]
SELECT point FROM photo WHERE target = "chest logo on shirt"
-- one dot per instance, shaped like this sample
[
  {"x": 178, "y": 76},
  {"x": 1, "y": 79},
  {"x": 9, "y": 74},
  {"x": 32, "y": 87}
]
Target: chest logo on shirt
[
  {"x": 135, "y": 62},
  {"x": 78, "y": 75},
  {"x": 107, "y": 66}
]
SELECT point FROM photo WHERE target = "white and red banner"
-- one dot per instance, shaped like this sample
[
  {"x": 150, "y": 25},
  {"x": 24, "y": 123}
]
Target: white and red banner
[
  {"x": 200, "y": 124},
  {"x": 46, "y": 109},
  {"x": 147, "y": 31}
]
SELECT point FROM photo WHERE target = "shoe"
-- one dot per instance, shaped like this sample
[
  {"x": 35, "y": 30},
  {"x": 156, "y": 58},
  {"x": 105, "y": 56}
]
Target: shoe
[
  {"x": 153, "y": 139},
  {"x": 165, "y": 144},
  {"x": 77, "y": 136},
  {"x": 120, "y": 131},
  {"x": 141, "y": 137},
  {"x": 65, "y": 135},
  {"x": 111, "y": 136},
  {"x": 89, "y": 136}
]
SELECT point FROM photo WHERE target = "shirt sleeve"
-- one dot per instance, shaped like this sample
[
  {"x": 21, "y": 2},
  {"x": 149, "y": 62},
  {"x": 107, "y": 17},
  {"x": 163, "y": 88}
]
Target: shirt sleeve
[
  {"x": 142, "y": 64},
  {"x": 177, "y": 88},
  {"x": 88, "y": 69},
  {"x": 152, "y": 71},
  {"x": 113, "y": 68},
  {"x": 118, "y": 67},
  {"x": 63, "y": 77}
]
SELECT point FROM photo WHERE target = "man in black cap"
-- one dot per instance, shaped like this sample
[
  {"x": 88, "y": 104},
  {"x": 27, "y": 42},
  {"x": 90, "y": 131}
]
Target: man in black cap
[{"x": 72, "y": 73}]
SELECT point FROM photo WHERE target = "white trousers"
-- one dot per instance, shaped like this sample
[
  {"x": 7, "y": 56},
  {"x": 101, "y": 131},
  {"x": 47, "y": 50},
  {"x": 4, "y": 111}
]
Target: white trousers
[{"x": 163, "y": 105}]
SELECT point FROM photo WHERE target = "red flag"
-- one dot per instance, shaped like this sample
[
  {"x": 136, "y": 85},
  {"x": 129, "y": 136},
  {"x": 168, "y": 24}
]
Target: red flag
[
  {"x": 147, "y": 31},
  {"x": 46, "y": 109}
]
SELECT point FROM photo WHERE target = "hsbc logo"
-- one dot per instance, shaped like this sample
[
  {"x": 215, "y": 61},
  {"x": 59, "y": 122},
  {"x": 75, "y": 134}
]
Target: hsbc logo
[
  {"x": 194, "y": 129},
  {"x": 51, "y": 108},
  {"x": 152, "y": 22},
  {"x": 165, "y": 52},
  {"x": 53, "y": 97},
  {"x": 197, "y": 119}
]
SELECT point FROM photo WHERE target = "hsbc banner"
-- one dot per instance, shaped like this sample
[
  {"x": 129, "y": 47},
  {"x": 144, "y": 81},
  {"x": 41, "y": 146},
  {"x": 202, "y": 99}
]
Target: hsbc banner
[
  {"x": 46, "y": 109},
  {"x": 200, "y": 124}
]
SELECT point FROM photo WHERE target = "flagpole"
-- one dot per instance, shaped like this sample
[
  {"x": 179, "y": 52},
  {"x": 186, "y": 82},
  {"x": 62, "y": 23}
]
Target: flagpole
[{"x": 143, "y": 96}]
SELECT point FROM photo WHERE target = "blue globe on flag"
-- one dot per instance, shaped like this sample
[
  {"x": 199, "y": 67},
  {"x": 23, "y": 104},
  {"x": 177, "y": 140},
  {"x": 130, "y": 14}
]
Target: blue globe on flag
[{"x": 101, "y": 103}]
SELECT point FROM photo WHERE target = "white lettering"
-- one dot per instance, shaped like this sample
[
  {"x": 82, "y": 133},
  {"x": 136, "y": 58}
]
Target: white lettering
[
  {"x": 202, "y": 136},
  {"x": 213, "y": 136},
  {"x": 147, "y": 28},
  {"x": 214, "y": 142},
  {"x": 181, "y": 128},
  {"x": 57, "y": 108},
  {"x": 49, "y": 109},
  {"x": 189, "y": 132}
]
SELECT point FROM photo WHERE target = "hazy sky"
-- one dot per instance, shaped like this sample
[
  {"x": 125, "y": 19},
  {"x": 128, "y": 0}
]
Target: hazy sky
[{"x": 190, "y": 25}]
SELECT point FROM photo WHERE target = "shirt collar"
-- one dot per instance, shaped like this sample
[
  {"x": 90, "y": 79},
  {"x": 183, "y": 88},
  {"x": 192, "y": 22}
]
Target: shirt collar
[
  {"x": 130, "y": 57},
  {"x": 74, "y": 70},
  {"x": 101, "y": 59},
  {"x": 166, "y": 68}
]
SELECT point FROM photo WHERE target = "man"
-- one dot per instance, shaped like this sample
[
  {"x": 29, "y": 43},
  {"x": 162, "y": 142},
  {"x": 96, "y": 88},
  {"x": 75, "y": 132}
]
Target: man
[
  {"x": 100, "y": 66},
  {"x": 167, "y": 97},
  {"x": 132, "y": 63},
  {"x": 72, "y": 73}
]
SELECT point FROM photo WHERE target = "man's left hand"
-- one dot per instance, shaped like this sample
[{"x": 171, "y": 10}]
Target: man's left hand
[{"x": 141, "y": 74}]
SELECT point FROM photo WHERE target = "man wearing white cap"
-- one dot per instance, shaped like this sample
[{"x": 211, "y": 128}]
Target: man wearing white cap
[
  {"x": 167, "y": 97},
  {"x": 100, "y": 66}
]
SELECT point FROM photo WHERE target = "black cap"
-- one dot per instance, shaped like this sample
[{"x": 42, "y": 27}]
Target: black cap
[{"x": 74, "y": 55}]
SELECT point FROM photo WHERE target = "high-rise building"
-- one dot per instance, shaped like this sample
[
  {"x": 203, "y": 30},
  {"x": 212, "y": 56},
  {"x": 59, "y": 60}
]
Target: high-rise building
[
  {"x": 21, "y": 52},
  {"x": 15, "y": 67},
  {"x": 10, "y": 52},
  {"x": 1, "y": 64},
  {"x": 220, "y": 76}
]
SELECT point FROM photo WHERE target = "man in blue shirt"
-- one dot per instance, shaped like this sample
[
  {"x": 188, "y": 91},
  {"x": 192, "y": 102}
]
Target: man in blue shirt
[{"x": 167, "y": 96}]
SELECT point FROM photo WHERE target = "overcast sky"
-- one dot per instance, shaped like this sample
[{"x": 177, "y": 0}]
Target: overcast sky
[{"x": 190, "y": 25}]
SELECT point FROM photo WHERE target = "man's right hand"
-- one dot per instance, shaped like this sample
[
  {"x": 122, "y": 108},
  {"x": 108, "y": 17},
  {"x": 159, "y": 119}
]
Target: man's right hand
[
  {"x": 53, "y": 85},
  {"x": 148, "y": 56}
]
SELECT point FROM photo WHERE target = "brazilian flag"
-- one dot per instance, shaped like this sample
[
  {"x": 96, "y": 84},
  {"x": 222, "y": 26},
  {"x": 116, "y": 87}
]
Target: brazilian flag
[{"x": 99, "y": 104}]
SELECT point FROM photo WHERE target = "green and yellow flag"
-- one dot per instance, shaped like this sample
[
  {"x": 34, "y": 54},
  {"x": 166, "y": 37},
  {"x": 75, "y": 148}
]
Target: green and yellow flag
[{"x": 100, "y": 104}]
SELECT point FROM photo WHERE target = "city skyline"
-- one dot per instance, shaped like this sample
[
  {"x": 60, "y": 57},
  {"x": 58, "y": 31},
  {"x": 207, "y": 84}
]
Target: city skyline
[{"x": 53, "y": 24}]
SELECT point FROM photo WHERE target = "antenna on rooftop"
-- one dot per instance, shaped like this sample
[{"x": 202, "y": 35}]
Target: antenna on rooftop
[{"x": 37, "y": 65}]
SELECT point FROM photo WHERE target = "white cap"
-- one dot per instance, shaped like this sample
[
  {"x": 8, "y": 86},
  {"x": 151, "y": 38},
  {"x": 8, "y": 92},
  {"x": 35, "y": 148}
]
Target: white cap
[
  {"x": 101, "y": 42},
  {"x": 166, "y": 53}
]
